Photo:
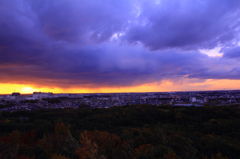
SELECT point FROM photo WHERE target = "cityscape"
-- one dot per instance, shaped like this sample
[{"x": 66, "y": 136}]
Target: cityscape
[{"x": 41, "y": 100}]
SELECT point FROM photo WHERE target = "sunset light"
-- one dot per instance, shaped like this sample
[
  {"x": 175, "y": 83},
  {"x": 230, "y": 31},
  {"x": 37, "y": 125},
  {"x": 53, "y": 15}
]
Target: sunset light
[
  {"x": 163, "y": 86},
  {"x": 26, "y": 90},
  {"x": 122, "y": 46}
]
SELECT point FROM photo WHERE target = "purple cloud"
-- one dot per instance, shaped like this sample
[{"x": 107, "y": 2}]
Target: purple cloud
[
  {"x": 186, "y": 24},
  {"x": 232, "y": 52},
  {"x": 82, "y": 21},
  {"x": 116, "y": 43}
]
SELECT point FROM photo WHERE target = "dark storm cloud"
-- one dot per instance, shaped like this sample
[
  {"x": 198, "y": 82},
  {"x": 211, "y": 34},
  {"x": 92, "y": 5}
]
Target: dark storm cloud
[
  {"x": 103, "y": 43},
  {"x": 109, "y": 64},
  {"x": 186, "y": 24},
  {"x": 82, "y": 21}
]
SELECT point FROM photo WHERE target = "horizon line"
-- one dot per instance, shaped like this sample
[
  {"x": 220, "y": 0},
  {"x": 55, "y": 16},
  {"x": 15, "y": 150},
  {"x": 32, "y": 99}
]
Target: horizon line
[{"x": 129, "y": 92}]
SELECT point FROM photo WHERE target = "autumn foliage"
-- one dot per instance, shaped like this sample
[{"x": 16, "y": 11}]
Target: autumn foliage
[{"x": 137, "y": 132}]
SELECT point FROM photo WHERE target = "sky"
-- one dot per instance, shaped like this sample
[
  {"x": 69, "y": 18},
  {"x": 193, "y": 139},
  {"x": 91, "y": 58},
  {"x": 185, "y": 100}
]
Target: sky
[{"x": 88, "y": 46}]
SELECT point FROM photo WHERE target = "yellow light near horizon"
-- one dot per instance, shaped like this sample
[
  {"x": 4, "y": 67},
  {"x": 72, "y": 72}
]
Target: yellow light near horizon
[
  {"x": 8, "y": 88},
  {"x": 26, "y": 90},
  {"x": 167, "y": 85}
]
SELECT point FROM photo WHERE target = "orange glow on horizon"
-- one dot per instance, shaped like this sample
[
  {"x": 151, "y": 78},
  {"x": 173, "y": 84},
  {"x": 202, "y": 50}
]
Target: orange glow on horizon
[{"x": 164, "y": 86}]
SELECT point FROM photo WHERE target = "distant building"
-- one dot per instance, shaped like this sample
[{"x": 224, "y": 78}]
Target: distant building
[
  {"x": 197, "y": 99},
  {"x": 40, "y": 95},
  {"x": 13, "y": 96},
  {"x": 16, "y": 94}
]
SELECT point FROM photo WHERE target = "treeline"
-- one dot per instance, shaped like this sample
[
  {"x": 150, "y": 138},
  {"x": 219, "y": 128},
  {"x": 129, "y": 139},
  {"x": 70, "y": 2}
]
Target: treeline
[{"x": 133, "y": 132}]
